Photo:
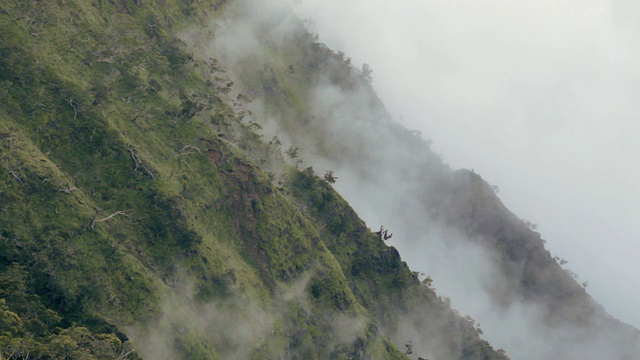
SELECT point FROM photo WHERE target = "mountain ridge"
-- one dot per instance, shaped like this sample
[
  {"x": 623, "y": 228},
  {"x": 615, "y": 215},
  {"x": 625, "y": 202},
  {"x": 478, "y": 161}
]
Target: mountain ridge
[
  {"x": 346, "y": 128},
  {"x": 153, "y": 204},
  {"x": 135, "y": 224}
]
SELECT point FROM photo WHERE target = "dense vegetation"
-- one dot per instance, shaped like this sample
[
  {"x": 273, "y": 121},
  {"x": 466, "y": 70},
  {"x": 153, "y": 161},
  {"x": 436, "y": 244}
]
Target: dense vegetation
[
  {"x": 143, "y": 215},
  {"x": 316, "y": 100}
]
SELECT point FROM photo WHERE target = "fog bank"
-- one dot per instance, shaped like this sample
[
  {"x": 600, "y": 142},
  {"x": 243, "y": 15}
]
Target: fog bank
[
  {"x": 377, "y": 176},
  {"x": 540, "y": 98}
]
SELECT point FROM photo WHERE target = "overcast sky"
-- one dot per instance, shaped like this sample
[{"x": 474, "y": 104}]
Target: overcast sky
[{"x": 540, "y": 98}]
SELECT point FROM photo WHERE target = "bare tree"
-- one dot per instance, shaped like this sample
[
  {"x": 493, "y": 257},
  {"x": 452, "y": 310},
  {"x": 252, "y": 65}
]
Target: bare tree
[
  {"x": 94, "y": 220},
  {"x": 384, "y": 233}
]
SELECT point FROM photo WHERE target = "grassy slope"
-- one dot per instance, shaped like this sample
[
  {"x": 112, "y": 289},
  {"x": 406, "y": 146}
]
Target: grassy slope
[
  {"x": 280, "y": 75},
  {"x": 287, "y": 80},
  {"x": 381, "y": 281},
  {"x": 122, "y": 191},
  {"x": 113, "y": 178}
]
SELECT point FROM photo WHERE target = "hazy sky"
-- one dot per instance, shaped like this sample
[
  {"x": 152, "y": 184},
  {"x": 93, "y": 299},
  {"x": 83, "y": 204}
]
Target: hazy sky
[{"x": 540, "y": 98}]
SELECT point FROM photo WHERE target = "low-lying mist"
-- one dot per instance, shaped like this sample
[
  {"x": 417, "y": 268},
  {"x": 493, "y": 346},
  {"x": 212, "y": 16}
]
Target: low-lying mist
[
  {"x": 538, "y": 97},
  {"x": 390, "y": 176},
  {"x": 240, "y": 326}
]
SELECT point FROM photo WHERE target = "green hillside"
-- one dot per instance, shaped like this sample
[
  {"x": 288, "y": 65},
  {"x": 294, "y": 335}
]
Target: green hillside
[
  {"x": 316, "y": 100},
  {"x": 144, "y": 215}
]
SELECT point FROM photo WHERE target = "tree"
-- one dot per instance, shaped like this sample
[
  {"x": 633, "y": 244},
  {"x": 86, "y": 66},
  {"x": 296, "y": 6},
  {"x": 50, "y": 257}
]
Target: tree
[
  {"x": 384, "y": 233},
  {"x": 409, "y": 347},
  {"x": 308, "y": 172},
  {"x": 275, "y": 142},
  {"x": 292, "y": 152},
  {"x": 529, "y": 224},
  {"x": 329, "y": 177},
  {"x": 560, "y": 260},
  {"x": 366, "y": 72}
]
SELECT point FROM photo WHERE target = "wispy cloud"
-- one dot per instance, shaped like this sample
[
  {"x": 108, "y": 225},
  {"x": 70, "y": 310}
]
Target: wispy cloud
[
  {"x": 499, "y": 88},
  {"x": 540, "y": 98}
]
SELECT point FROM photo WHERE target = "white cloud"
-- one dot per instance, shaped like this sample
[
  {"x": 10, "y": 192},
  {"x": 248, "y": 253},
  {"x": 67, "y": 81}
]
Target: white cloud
[{"x": 541, "y": 98}]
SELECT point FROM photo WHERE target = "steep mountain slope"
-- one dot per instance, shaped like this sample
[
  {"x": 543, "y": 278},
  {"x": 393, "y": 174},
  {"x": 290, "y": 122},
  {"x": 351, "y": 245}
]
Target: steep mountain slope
[
  {"x": 142, "y": 216},
  {"x": 312, "y": 98}
]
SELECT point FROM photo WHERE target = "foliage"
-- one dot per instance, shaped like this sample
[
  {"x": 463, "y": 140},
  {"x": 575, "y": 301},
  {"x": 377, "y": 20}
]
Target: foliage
[{"x": 129, "y": 175}]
